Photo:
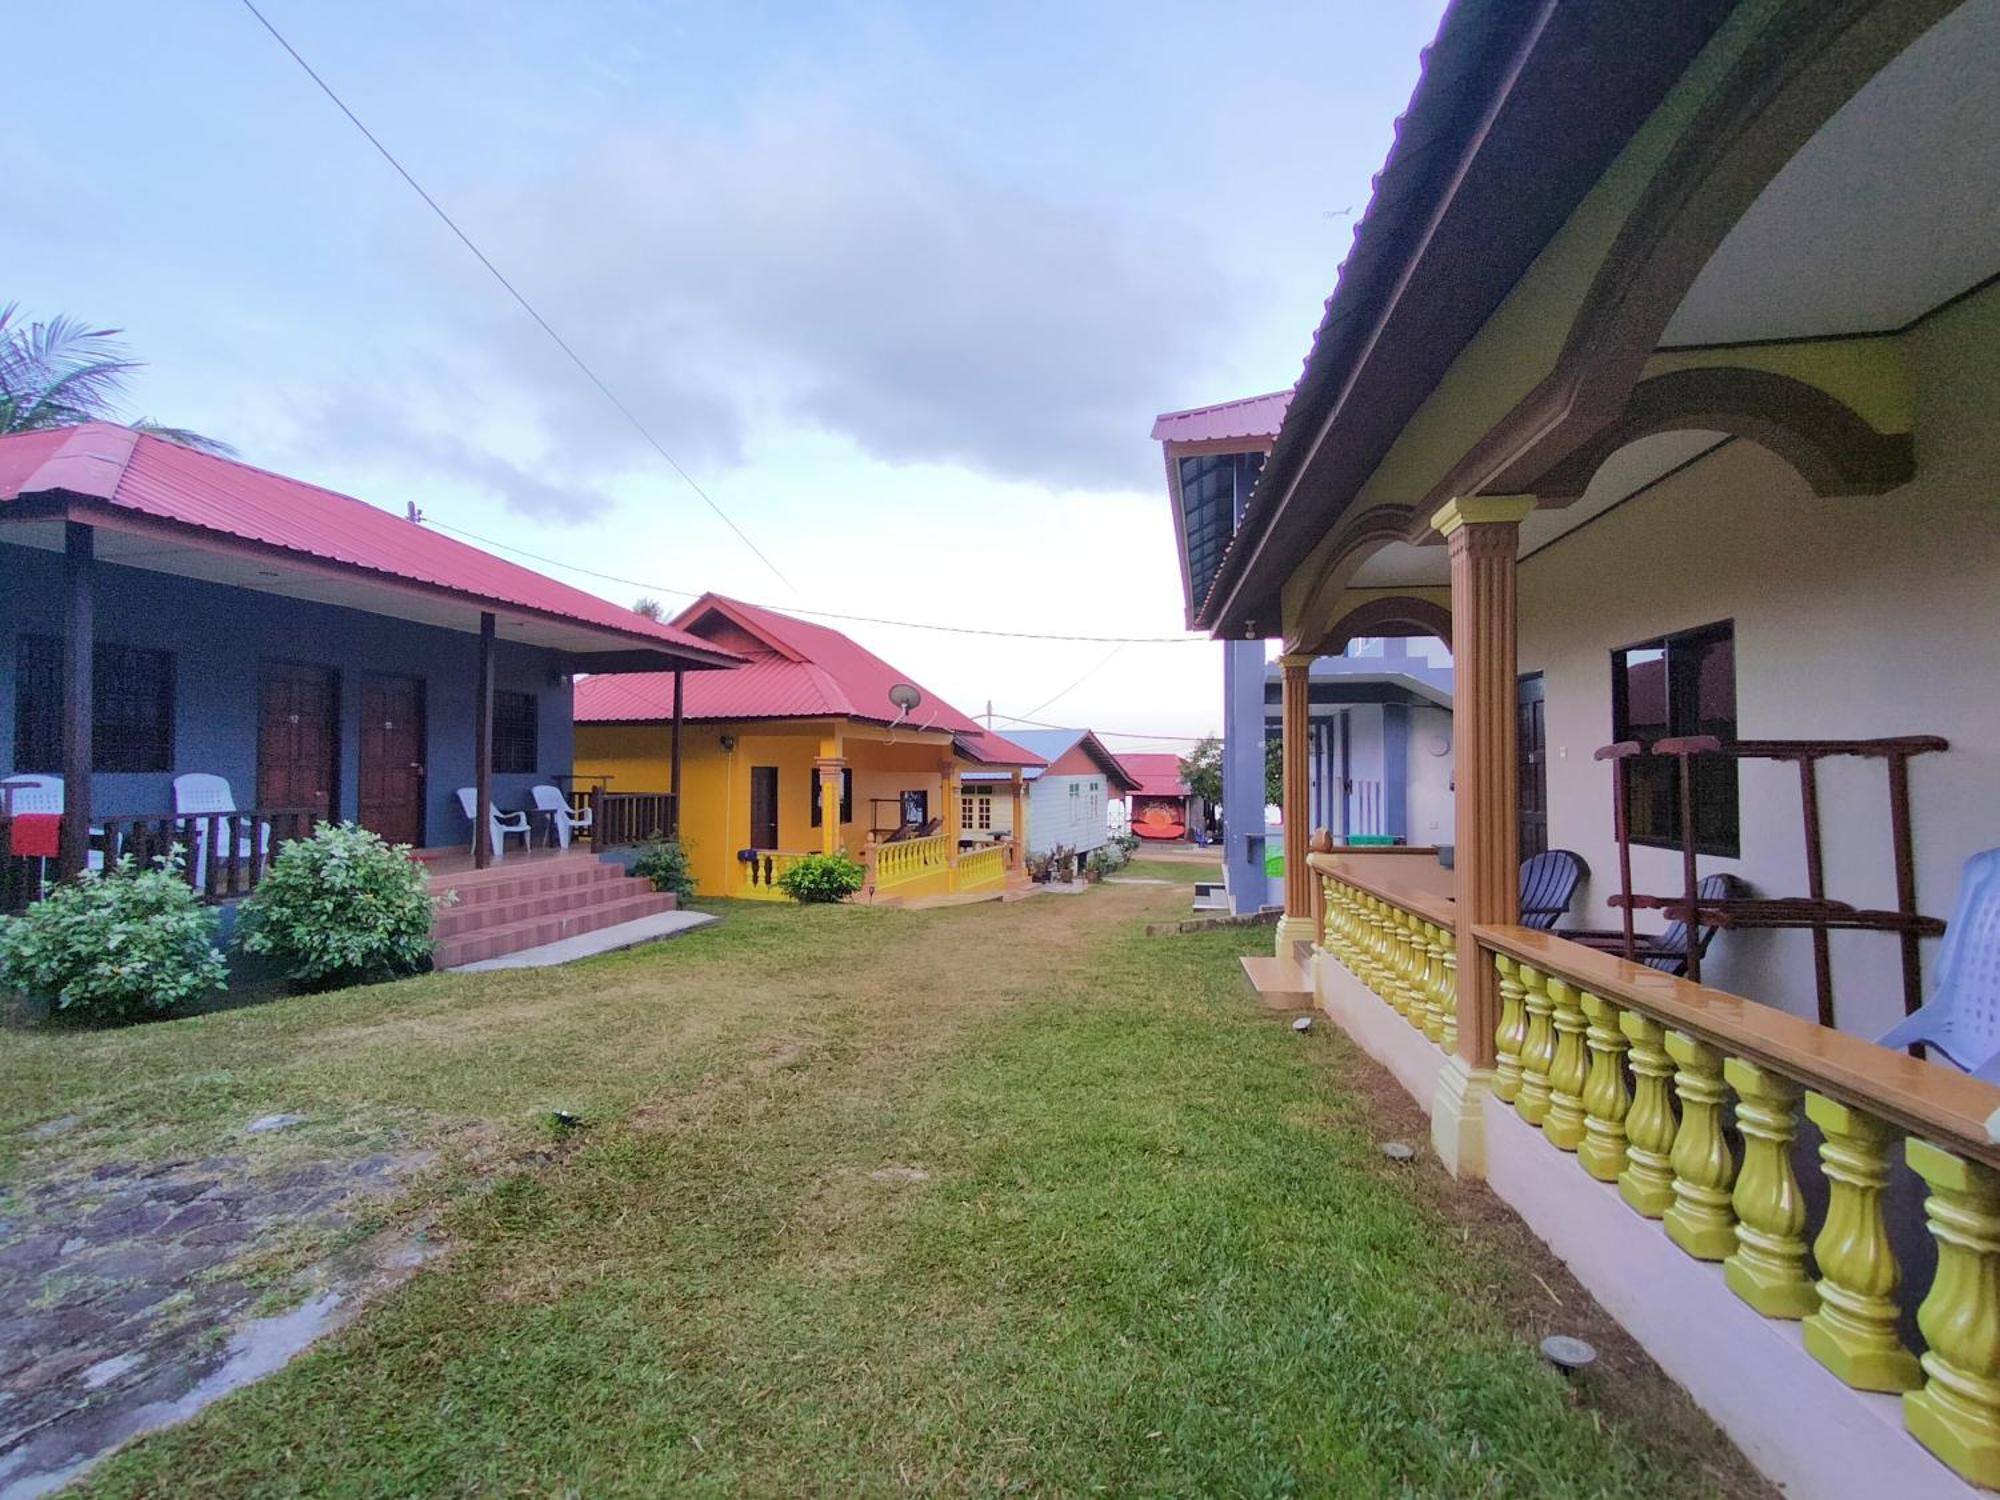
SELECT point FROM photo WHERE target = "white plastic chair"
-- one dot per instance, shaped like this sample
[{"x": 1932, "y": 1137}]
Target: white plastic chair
[
  {"x": 1962, "y": 1017},
  {"x": 505, "y": 825},
  {"x": 568, "y": 819},
  {"x": 200, "y": 792},
  {"x": 43, "y": 794}
]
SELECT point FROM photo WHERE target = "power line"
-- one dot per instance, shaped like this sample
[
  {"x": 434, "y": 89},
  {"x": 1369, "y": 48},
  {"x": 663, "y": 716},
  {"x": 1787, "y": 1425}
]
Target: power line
[
  {"x": 1111, "y": 734},
  {"x": 827, "y": 614},
  {"x": 526, "y": 306},
  {"x": 1054, "y": 697}
]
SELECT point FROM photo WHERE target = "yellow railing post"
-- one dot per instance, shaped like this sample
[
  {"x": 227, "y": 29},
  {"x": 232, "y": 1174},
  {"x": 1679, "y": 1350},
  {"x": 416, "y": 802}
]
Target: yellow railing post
[
  {"x": 1605, "y": 1101},
  {"x": 1448, "y": 942},
  {"x": 1957, "y": 1413},
  {"x": 1702, "y": 1220},
  {"x": 1854, "y": 1331},
  {"x": 1562, "y": 1122},
  {"x": 1647, "y": 1183},
  {"x": 1512, "y": 1034},
  {"x": 1435, "y": 1005},
  {"x": 1768, "y": 1267},
  {"x": 1538, "y": 1047}
]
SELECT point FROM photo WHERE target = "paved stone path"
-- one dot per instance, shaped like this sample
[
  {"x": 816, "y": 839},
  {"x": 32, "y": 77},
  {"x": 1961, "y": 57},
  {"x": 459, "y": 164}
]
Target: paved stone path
[{"x": 122, "y": 1307}]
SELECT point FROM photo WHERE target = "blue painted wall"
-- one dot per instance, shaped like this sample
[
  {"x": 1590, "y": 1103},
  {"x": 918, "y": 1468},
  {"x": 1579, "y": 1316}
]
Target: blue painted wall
[
  {"x": 1243, "y": 775},
  {"x": 221, "y": 636}
]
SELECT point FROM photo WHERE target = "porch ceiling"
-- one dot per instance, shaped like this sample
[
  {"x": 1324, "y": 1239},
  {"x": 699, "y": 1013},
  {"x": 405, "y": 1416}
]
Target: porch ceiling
[
  {"x": 1888, "y": 211},
  {"x": 323, "y": 584}
]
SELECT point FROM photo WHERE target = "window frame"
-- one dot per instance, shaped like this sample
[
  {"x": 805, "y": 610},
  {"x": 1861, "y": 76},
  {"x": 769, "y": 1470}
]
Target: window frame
[
  {"x": 1716, "y": 779},
  {"x": 511, "y": 739},
  {"x": 41, "y": 719}
]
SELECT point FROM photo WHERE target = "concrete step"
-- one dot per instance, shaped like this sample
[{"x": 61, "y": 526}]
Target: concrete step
[
  {"x": 590, "y": 944},
  {"x": 477, "y": 888},
  {"x": 470, "y": 916},
  {"x": 1280, "y": 983},
  {"x": 533, "y": 932}
]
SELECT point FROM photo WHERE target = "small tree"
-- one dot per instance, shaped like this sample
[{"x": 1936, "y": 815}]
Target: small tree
[
  {"x": 342, "y": 907},
  {"x": 1201, "y": 769},
  {"x": 821, "y": 878},
  {"x": 651, "y": 609},
  {"x": 118, "y": 947}
]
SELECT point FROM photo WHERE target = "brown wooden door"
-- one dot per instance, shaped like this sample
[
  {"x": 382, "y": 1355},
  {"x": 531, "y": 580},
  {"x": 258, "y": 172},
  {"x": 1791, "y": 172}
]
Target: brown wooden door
[
  {"x": 392, "y": 757},
  {"x": 297, "y": 757},
  {"x": 763, "y": 807},
  {"x": 1534, "y": 764}
]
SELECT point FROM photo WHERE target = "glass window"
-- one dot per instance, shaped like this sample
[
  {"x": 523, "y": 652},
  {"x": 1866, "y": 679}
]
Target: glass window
[
  {"x": 516, "y": 731},
  {"x": 1679, "y": 685},
  {"x": 132, "y": 707}
]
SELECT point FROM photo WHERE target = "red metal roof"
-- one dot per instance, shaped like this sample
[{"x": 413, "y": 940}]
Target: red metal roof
[
  {"x": 1156, "y": 775},
  {"x": 152, "y": 477},
  {"x": 1247, "y": 417},
  {"x": 802, "y": 671}
]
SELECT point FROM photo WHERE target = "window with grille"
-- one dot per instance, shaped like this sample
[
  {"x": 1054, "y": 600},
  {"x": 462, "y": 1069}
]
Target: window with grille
[
  {"x": 1678, "y": 685},
  {"x": 516, "y": 731},
  {"x": 132, "y": 707},
  {"x": 975, "y": 810}
]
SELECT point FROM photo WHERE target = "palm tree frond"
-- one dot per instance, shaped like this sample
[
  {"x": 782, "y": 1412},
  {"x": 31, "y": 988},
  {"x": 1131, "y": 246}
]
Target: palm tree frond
[{"x": 184, "y": 437}]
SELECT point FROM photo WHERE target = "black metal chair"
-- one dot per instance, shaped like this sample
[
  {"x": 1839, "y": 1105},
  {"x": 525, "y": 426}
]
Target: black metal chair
[
  {"x": 1548, "y": 884},
  {"x": 1667, "y": 950}
]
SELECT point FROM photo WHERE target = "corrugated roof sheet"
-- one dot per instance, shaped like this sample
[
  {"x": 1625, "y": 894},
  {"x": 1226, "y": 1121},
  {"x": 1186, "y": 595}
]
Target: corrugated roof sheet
[
  {"x": 1246, "y": 417},
  {"x": 153, "y": 477},
  {"x": 1157, "y": 775},
  {"x": 809, "y": 671}
]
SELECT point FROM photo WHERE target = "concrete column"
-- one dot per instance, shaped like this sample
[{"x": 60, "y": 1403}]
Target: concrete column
[
  {"x": 1294, "y": 721},
  {"x": 832, "y": 776},
  {"x": 79, "y": 658},
  {"x": 1483, "y": 535},
  {"x": 1243, "y": 774},
  {"x": 482, "y": 751}
]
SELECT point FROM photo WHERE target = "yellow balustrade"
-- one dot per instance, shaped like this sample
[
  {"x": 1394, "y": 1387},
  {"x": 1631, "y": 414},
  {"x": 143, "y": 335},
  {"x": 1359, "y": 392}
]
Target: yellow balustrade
[
  {"x": 983, "y": 869},
  {"x": 1768, "y": 1268},
  {"x": 761, "y": 875},
  {"x": 910, "y": 860},
  {"x": 1511, "y": 1037},
  {"x": 1434, "y": 993},
  {"x": 1702, "y": 1220},
  {"x": 1562, "y": 1122},
  {"x": 1538, "y": 1047},
  {"x": 1575, "y": 1026},
  {"x": 1448, "y": 944},
  {"x": 1957, "y": 1413},
  {"x": 1605, "y": 1100},
  {"x": 1854, "y": 1332},
  {"x": 1647, "y": 1183}
]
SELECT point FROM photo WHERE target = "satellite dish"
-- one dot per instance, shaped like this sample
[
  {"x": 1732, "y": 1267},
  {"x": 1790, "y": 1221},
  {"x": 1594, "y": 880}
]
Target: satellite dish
[{"x": 905, "y": 697}]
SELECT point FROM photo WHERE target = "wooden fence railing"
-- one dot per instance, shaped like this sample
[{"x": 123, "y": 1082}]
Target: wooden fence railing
[
  {"x": 1689, "y": 1099},
  {"x": 621, "y": 818},
  {"x": 222, "y": 855}
]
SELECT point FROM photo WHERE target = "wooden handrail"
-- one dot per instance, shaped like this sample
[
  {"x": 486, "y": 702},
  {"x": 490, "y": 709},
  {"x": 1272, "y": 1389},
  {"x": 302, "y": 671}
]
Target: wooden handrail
[
  {"x": 1938, "y": 1103},
  {"x": 1397, "y": 888}
]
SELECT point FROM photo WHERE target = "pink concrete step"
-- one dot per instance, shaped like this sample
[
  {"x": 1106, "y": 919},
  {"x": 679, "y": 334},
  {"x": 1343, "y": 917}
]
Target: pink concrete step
[
  {"x": 478, "y": 887},
  {"x": 468, "y": 916},
  {"x": 534, "y": 931}
]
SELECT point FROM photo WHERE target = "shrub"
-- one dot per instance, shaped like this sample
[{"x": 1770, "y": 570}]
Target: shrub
[
  {"x": 1129, "y": 842},
  {"x": 665, "y": 862},
  {"x": 341, "y": 907},
  {"x": 822, "y": 877},
  {"x": 117, "y": 947}
]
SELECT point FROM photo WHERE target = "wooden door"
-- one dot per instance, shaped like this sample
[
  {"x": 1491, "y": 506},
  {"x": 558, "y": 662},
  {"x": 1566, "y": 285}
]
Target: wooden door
[
  {"x": 1534, "y": 766},
  {"x": 392, "y": 757},
  {"x": 297, "y": 738},
  {"x": 763, "y": 807}
]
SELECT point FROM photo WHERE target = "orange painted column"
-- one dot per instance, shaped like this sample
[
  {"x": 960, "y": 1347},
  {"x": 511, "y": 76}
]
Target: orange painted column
[
  {"x": 1483, "y": 535},
  {"x": 1295, "y": 723},
  {"x": 1019, "y": 821}
]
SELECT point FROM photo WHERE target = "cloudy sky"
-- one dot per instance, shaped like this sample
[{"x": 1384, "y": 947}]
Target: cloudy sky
[{"x": 902, "y": 286}]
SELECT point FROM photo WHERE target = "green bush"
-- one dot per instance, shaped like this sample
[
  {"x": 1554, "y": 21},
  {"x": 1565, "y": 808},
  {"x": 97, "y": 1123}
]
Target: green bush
[
  {"x": 117, "y": 947},
  {"x": 822, "y": 877},
  {"x": 342, "y": 907},
  {"x": 665, "y": 862}
]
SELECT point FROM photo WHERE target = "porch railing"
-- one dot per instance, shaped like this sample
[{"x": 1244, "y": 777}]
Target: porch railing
[
  {"x": 985, "y": 868},
  {"x": 223, "y": 855},
  {"x": 763, "y": 869},
  {"x": 905, "y": 863},
  {"x": 1688, "y": 1100},
  {"x": 621, "y": 818}
]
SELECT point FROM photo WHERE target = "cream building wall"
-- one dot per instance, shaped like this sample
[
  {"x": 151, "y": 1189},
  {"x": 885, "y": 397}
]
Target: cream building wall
[
  {"x": 1855, "y": 617},
  {"x": 1431, "y": 801}
]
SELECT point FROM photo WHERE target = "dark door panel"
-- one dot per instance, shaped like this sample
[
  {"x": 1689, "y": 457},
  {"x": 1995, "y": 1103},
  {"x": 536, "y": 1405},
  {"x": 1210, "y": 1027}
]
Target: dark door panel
[
  {"x": 763, "y": 807},
  {"x": 298, "y": 738},
  {"x": 392, "y": 757},
  {"x": 1534, "y": 764}
]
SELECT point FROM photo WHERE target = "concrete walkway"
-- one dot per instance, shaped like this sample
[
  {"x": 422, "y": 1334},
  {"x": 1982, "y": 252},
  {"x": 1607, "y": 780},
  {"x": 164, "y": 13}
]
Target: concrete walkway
[{"x": 651, "y": 929}]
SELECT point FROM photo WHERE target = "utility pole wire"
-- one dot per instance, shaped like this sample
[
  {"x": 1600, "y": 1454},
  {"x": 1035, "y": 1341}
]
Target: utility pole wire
[{"x": 526, "y": 306}]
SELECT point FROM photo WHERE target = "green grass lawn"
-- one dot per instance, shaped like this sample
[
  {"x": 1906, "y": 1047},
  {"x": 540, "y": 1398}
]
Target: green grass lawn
[{"x": 980, "y": 1200}]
